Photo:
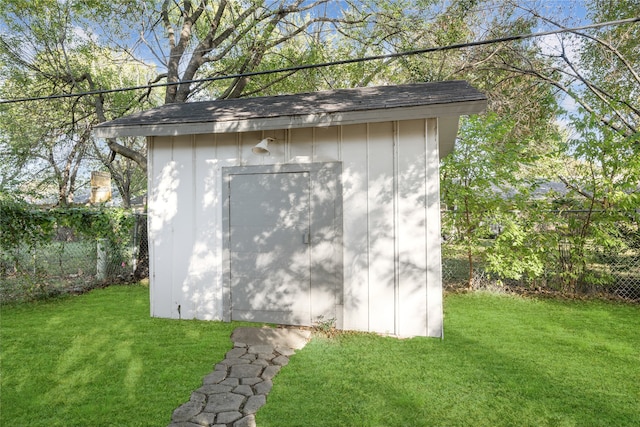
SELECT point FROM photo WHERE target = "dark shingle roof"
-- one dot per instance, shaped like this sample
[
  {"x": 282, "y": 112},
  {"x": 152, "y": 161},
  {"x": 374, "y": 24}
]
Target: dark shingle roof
[{"x": 300, "y": 110}]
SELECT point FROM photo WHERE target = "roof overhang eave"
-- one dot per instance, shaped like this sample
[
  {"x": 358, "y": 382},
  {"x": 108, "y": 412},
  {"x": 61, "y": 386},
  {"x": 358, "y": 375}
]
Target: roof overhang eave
[{"x": 176, "y": 128}]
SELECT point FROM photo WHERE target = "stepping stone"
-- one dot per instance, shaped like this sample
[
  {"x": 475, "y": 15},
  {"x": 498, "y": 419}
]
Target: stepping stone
[
  {"x": 260, "y": 362},
  {"x": 244, "y": 390},
  {"x": 266, "y": 356},
  {"x": 264, "y": 387},
  {"x": 285, "y": 351},
  {"x": 245, "y": 371},
  {"x": 215, "y": 377},
  {"x": 270, "y": 372},
  {"x": 224, "y": 402},
  {"x": 238, "y": 386},
  {"x": 235, "y": 353},
  {"x": 276, "y": 337},
  {"x": 254, "y": 403},
  {"x": 198, "y": 398},
  {"x": 281, "y": 360},
  {"x": 185, "y": 411},
  {"x": 248, "y": 421},
  {"x": 261, "y": 349},
  {"x": 233, "y": 382},
  {"x": 214, "y": 389},
  {"x": 204, "y": 418},
  {"x": 228, "y": 417},
  {"x": 250, "y": 381},
  {"x": 235, "y": 361}
]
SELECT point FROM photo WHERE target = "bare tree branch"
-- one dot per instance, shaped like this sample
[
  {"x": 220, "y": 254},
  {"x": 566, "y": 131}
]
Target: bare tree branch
[
  {"x": 587, "y": 107},
  {"x": 598, "y": 40}
]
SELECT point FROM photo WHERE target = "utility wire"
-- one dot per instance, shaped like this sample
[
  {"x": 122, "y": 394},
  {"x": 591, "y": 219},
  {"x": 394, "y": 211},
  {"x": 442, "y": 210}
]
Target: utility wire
[{"x": 333, "y": 63}]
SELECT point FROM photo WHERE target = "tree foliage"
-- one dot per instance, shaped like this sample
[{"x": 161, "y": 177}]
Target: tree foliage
[
  {"x": 48, "y": 49},
  {"x": 591, "y": 148},
  {"x": 45, "y": 52}
]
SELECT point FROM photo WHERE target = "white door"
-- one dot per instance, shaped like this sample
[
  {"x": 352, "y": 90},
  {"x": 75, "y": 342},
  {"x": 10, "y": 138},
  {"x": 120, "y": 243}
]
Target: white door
[{"x": 269, "y": 219}]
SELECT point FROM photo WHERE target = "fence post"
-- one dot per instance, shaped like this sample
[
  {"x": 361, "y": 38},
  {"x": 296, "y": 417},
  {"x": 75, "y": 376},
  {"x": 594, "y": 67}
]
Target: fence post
[
  {"x": 101, "y": 259},
  {"x": 136, "y": 238}
]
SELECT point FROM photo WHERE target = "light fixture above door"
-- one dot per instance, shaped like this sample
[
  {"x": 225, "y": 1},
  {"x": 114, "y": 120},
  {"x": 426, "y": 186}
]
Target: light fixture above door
[{"x": 262, "y": 147}]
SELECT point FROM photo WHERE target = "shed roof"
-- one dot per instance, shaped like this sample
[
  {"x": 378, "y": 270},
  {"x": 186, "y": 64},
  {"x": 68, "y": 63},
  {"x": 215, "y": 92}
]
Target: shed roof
[{"x": 325, "y": 108}]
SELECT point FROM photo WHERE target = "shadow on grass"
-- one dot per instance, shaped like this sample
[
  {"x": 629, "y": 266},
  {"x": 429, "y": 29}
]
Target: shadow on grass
[
  {"x": 503, "y": 362},
  {"x": 99, "y": 359}
]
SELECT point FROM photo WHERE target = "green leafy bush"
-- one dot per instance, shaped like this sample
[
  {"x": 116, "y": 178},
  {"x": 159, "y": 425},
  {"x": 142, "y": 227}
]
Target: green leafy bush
[
  {"x": 22, "y": 224},
  {"x": 28, "y": 232}
]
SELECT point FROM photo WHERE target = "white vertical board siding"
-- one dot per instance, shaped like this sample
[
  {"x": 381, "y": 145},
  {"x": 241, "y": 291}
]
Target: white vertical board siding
[
  {"x": 411, "y": 228},
  {"x": 391, "y": 227},
  {"x": 162, "y": 207},
  {"x": 300, "y": 145},
  {"x": 389, "y": 209},
  {"x": 434, "y": 255},
  {"x": 355, "y": 227},
  {"x": 183, "y": 226},
  {"x": 326, "y": 144},
  {"x": 380, "y": 202},
  {"x": 228, "y": 153},
  {"x": 245, "y": 144},
  {"x": 200, "y": 293}
]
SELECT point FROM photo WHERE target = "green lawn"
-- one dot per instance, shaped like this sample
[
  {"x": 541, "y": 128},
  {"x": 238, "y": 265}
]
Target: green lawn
[
  {"x": 99, "y": 360},
  {"x": 505, "y": 361}
]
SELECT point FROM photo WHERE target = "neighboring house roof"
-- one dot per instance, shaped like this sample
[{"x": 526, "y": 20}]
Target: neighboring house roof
[
  {"x": 326, "y": 108},
  {"x": 540, "y": 190},
  {"x": 546, "y": 187}
]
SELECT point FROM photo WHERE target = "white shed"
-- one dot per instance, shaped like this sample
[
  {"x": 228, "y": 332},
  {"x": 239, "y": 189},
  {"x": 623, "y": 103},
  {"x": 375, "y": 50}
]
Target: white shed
[{"x": 338, "y": 217}]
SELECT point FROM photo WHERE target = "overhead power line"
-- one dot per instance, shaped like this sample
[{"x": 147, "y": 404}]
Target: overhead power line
[{"x": 333, "y": 63}]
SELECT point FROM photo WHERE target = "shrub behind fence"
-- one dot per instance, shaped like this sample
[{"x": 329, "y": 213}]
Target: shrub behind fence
[
  {"x": 60, "y": 255},
  {"x": 589, "y": 266}
]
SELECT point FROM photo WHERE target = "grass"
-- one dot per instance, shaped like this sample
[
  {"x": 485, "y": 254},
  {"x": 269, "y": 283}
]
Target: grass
[
  {"x": 99, "y": 360},
  {"x": 504, "y": 361}
]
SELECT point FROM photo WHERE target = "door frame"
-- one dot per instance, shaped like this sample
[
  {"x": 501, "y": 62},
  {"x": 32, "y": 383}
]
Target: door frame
[{"x": 323, "y": 177}]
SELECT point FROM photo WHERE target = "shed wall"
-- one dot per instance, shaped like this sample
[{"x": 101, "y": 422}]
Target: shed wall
[{"x": 391, "y": 227}]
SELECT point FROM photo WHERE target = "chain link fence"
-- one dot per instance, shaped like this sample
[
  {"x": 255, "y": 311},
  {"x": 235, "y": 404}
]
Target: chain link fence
[
  {"x": 624, "y": 282},
  {"x": 73, "y": 263},
  {"x": 596, "y": 270}
]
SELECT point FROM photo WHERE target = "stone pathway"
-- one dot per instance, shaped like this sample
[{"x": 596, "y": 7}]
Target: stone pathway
[{"x": 231, "y": 395}]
